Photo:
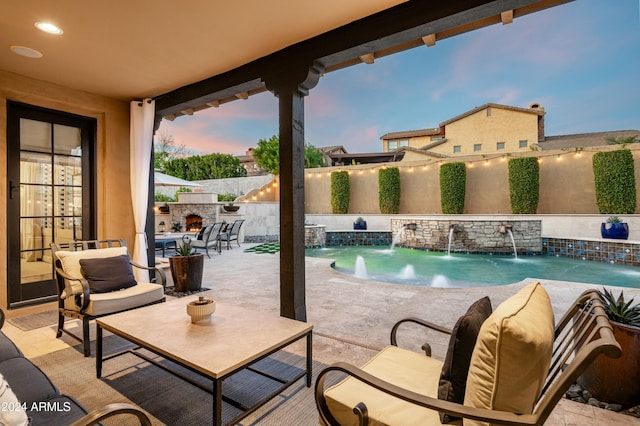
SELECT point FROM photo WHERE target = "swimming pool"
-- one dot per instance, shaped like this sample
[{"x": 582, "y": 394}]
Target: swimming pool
[{"x": 436, "y": 269}]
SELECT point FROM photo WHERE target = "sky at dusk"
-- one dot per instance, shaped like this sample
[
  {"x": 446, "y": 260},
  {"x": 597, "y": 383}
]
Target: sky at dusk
[{"x": 580, "y": 61}]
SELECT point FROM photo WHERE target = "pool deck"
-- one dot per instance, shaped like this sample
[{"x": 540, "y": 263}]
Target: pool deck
[{"x": 352, "y": 317}]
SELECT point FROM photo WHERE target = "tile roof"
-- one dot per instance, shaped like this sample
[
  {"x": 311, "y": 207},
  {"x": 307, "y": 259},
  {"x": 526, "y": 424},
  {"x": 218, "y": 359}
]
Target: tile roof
[{"x": 584, "y": 140}]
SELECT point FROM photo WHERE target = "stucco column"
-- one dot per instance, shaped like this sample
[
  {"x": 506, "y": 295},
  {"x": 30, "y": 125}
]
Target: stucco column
[{"x": 290, "y": 86}]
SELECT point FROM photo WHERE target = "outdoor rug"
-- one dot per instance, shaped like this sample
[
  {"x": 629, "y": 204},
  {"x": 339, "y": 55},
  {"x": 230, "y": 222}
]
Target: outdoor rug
[
  {"x": 33, "y": 321},
  {"x": 172, "y": 401},
  {"x": 269, "y": 248},
  {"x": 171, "y": 291}
]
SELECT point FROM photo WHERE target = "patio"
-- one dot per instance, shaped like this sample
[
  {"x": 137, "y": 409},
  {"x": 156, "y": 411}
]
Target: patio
[{"x": 351, "y": 317}]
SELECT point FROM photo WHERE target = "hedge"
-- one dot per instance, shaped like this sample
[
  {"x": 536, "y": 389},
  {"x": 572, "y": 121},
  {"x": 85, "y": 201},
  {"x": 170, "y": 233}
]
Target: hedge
[
  {"x": 340, "y": 192},
  {"x": 453, "y": 180},
  {"x": 524, "y": 185},
  {"x": 614, "y": 176},
  {"x": 389, "y": 190}
]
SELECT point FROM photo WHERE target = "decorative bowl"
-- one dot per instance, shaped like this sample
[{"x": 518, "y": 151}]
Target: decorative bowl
[{"x": 201, "y": 310}]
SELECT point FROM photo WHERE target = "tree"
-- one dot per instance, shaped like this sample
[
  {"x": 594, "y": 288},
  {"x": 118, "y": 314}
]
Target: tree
[
  {"x": 203, "y": 167},
  {"x": 267, "y": 155},
  {"x": 165, "y": 149},
  {"x": 621, "y": 141}
]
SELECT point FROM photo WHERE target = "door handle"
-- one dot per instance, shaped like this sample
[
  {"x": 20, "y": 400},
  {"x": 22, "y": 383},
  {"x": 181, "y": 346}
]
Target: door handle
[{"x": 12, "y": 188}]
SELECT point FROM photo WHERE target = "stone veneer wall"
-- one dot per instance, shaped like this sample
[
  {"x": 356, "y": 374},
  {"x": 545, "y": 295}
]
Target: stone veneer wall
[
  {"x": 315, "y": 236},
  {"x": 610, "y": 251},
  {"x": 470, "y": 236}
]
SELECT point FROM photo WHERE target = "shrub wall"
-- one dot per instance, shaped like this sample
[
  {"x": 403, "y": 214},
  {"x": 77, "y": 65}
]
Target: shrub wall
[
  {"x": 453, "y": 181},
  {"x": 614, "y": 176},
  {"x": 524, "y": 185},
  {"x": 389, "y": 190},
  {"x": 340, "y": 192}
]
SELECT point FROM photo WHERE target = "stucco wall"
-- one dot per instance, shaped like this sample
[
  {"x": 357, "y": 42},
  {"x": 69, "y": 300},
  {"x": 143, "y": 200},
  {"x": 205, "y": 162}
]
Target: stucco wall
[
  {"x": 115, "y": 217},
  {"x": 566, "y": 184},
  {"x": 501, "y": 125}
]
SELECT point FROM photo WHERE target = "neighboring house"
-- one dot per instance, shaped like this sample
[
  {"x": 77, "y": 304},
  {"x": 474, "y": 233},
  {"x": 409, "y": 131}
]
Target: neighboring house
[
  {"x": 249, "y": 163},
  {"x": 487, "y": 129},
  {"x": 338, "y": 156},
  {"x": 491, "y": 129},
  {"x": 585, "y": 140}
]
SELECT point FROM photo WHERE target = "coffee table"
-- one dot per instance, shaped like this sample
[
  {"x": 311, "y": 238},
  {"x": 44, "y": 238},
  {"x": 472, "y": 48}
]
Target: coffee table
[{"x": 232, "y": 341}]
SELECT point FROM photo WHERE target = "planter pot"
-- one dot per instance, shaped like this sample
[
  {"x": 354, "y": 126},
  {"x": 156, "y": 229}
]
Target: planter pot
[
  {"x": 187, "y": 272},
  {"x": 619, "y": 231},
  {"x": 360, "y": 225},
  {"x": 230, "y": 208},
  {"x": 616, "y": 380}
]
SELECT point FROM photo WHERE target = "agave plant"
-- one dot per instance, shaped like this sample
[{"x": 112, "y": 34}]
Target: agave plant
[
  {"x": 619, "y": 310},
  {"x": 184, "y": 249}
]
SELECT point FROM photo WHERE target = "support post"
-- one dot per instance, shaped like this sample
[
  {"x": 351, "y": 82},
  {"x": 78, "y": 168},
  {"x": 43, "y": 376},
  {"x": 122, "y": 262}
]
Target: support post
[{"x": 290, "y": 86}]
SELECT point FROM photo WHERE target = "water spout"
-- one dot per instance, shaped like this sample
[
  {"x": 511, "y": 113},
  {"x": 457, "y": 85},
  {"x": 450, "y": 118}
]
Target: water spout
[
  {"x": 396, "y": 237},
  {"x": 452, "y": 229},
  {"x": 408, "y": 273},
  {"x": 513, "y": 242},
  {"x": 361, "y": 268}
]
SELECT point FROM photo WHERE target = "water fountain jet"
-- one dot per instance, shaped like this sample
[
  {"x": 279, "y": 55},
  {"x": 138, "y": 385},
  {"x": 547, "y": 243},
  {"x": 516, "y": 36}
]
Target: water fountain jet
[{"x": 360, "y": 268}]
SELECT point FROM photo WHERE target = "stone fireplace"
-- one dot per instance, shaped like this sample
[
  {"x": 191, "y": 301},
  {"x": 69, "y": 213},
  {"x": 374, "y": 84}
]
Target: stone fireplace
[
  {"x": 194, "y": 210},
  {"x": 193, "y": 222}
]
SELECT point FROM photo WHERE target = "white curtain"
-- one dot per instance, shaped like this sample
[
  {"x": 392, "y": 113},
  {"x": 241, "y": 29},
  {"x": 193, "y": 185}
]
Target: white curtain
[{"x": 142, "y": 115}]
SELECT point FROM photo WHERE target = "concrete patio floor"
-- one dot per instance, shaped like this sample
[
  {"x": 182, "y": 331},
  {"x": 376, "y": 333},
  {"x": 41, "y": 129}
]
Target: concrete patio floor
[{"x": 352, "y": 317}]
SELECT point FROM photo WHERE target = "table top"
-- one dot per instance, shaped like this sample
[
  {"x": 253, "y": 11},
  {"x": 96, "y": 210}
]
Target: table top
[
  {"x": 233, "y": 338},
  {"x": 171, "y": 236}
]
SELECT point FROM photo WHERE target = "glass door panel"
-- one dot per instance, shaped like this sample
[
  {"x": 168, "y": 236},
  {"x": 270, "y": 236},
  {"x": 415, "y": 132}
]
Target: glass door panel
[{"x": 46, "y": 162}]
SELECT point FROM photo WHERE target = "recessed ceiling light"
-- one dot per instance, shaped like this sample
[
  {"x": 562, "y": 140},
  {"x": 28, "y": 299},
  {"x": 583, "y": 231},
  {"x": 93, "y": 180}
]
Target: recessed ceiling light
[
  {"x": 48, "y": 27},
  {"x": 26, "y": 51}
]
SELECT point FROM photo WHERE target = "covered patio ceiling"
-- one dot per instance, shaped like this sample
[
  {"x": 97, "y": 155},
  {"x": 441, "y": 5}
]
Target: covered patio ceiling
[{"x": 205, "y": 53}]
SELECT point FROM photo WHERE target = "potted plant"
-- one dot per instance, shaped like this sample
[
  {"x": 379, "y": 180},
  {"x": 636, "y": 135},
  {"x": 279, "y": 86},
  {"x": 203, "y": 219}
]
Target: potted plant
[
  {"x": 360, "y": 223},
  {"x": 617, "y": 380},
  {"x": 186, "y": 269},
  {"x": 614, "y": 227},
  {"x": 229, "y": 207}
]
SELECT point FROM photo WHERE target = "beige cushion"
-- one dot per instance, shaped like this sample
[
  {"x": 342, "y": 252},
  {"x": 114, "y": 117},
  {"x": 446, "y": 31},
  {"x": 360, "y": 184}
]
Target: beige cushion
[
  {"x": 105, "y": 303},
  {"x": 512, "y": 354},
  {"x": 408, "y": 369},
  {"x": 70, "y": 261},
  {"x": 114, "y": 301}
]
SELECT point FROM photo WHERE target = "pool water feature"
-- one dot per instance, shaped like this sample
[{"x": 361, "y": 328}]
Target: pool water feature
[{"x": 437, "y": 269}]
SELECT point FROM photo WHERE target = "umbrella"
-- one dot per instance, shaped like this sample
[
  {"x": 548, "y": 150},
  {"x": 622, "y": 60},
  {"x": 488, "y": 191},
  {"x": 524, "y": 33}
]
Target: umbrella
[{"x": 162, "y": 179}]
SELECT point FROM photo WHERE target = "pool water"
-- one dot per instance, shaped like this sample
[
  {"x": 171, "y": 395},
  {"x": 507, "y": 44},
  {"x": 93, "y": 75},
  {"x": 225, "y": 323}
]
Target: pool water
[{"x": 436, "y": 269}]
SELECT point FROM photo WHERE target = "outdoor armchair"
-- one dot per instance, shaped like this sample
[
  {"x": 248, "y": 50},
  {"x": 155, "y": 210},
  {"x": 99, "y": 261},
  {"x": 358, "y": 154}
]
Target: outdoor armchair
[
  {"x": 94, "y": 278},
  {"x": 520, "y": 367},
  {"x": 210, "y": 238},
  {"x": 232, "y": 232}
]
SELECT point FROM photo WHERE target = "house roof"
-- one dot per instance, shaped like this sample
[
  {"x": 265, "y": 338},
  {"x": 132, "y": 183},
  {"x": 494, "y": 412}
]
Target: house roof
[
  {"x": 539, "y": 112},
  {"x": 411, "y": 133},
  {"x": 440, "y": 130},
  {"x": 584, "y": 140}
]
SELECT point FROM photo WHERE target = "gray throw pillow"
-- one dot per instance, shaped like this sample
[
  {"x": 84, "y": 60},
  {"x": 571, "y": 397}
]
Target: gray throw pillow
[
  {"x": 108, "y": 274},
  {"x": 453, "y": 378}
]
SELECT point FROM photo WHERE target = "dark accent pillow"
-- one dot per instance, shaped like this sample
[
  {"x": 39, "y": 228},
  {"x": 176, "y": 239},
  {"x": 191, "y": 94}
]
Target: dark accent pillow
[
  {"x": 200, "y": 234},
  {"x": 108, "y": 273},
  {"x": 453, "y": 378}
]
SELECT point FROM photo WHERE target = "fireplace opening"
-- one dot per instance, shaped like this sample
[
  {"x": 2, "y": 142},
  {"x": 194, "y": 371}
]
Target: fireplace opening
[{"x": 193, "y": 223}]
